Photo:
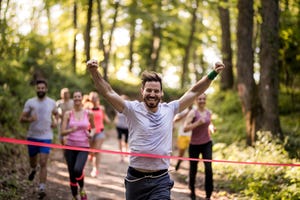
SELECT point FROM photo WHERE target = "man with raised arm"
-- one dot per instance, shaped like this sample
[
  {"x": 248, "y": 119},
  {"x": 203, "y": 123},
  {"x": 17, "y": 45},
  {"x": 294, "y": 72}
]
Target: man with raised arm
[{"x": 150, "y": 124}]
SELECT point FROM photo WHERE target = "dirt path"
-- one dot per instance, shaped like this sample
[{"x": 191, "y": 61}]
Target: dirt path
[{"x": 109, "y": 185}]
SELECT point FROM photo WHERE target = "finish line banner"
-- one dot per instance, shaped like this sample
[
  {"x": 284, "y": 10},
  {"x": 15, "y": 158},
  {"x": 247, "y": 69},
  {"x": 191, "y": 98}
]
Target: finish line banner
[{"x": 58, "y": 146}]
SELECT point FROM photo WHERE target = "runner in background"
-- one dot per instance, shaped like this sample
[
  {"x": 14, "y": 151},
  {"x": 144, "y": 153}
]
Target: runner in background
[
  {"x": 122, "y": 130},
  {"x": 86, "y": 101},
  {"x": 183, "y": 138},
  {"x": 64, "y": 104},
  {"x": 38, "y": 112},
  {"x": 75, "y": 126},
  {"x": 199, "y": 122},
  {"x": 100, "y": 117}
]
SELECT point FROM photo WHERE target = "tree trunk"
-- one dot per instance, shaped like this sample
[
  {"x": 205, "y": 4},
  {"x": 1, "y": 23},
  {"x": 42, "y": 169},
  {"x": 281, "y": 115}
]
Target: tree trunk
[
  {"x": 132, "y": 23},
  {"x": 269, "y": 67},
  {"x": 246, "y": 85},
  {"x": 188, "y": 47},
  {"x": 3, "y": 26},
  {"x": 50, "y": 30},
  {"x": 227, "y": 75},
  {"x": 88, "y": 30},
  {"x": 0, "y": 10},
  {"x": 156, "y": 45},
  {"x": 131, "y": 43},
  {"x": 101, "y": 27},
  {"x": 106, "y": 48},
  {"x": 74, "y": 57}
]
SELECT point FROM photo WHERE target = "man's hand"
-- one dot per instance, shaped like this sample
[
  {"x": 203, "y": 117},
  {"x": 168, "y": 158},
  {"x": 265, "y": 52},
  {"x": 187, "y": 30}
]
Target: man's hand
[
  {"x": 219, "y": 67},
  {"x": 54, "y": 123},
  {"x": 92, "y": 64},
  {"x": 33, "y": 118}
]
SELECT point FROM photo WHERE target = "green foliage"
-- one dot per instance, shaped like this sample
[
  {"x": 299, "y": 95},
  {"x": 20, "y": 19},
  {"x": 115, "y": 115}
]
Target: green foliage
[
  {"x": 255, "y": 181},
  {"x": 289, "y": 104},
  {"x": 289, "y": 101},
  {"x": 227, "y": 117},
  {"x": 11, "y": 86},
  {"x": 291, "y": 129}
]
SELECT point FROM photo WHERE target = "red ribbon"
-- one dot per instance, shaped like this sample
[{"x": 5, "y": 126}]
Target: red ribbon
[{"x": 58, "y": 146}]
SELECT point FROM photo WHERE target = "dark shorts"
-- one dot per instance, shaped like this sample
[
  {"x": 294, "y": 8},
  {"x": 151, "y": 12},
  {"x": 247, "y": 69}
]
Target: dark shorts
[
  {"x": 34, "y": 150},
  {"x": 140, "y": 186},
  {"x": 122, "y": 131}
]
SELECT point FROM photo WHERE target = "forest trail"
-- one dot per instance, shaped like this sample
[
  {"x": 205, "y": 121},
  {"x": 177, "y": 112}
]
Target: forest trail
[{"x": 109, "y": 185}]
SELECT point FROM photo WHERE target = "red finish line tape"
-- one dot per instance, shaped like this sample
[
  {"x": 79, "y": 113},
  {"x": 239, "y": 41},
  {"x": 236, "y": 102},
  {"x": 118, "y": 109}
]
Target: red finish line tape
[{"x": 58, "y": 146}]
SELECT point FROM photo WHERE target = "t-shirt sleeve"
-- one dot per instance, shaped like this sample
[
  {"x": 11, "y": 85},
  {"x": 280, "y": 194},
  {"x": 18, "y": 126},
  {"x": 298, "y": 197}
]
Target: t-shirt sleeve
[
  {"x": 128, "y": 106},
  {"x": 27, "y": 106},
  {"x": 54, "y": 107},
  {"x": 175, "y": 105}
]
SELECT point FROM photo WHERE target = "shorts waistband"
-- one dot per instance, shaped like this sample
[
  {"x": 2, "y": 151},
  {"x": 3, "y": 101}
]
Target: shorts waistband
[{"x": 140, "y": 174}]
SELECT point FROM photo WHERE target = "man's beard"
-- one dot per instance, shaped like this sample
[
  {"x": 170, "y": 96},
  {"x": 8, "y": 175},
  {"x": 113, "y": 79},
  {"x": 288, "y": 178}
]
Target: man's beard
[
  {"x": 153, "y": 104},
  {"x": 41, "y": 94}
]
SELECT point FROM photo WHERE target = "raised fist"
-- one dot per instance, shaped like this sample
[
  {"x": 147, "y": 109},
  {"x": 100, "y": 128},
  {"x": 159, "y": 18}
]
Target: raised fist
[
  {"x": 219, "y": 66},
  {"x": 93, "y": 63}
]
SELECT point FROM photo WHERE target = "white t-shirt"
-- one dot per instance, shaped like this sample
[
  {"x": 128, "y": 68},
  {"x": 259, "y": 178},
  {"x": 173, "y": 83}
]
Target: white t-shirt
[
  {"x": 41, "y": 128},
  {"x": 150, "y": 133},
  {"x": 121, "y": 121}
]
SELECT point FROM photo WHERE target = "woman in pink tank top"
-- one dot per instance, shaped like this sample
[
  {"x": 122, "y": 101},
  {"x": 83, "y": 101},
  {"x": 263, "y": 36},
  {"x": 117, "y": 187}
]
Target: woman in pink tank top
[
  {"x": 75, "y": 127},
  {"x": 97, "y": 140},
  {"x": 199, "y": 122}
]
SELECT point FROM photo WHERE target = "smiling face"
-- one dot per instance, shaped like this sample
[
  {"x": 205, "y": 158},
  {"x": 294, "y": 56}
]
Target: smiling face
[
  {"x": 152, "y": 94},
  {"x": 41, "y": 90},
  {"x": 201, "y": 100},
  {"x": 77, "y": 98}
]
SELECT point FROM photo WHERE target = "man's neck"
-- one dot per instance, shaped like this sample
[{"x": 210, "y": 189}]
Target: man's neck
[{"x": 153, "y": 110}]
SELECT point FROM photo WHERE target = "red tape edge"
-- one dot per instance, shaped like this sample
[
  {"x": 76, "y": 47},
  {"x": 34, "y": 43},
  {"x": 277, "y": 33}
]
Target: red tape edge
[{"x": 58, "y": 146}]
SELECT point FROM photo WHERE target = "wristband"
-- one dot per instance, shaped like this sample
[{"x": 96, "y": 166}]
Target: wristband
[{"x": 212, "y": 75}]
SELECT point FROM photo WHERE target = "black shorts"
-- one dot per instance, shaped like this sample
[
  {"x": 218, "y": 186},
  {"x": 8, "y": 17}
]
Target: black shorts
[{"x": 123, "y": 131}]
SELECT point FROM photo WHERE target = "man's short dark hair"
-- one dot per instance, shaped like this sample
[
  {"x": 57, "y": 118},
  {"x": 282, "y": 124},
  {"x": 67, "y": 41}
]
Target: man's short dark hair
[
  {"x": 148, "y": 76},
  {"x": 39, "y": 81}
]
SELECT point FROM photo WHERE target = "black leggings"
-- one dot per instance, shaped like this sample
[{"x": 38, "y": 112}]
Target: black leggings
[
  {"x": 194, "y": 152},
  {"x": 76, "y": 161}
]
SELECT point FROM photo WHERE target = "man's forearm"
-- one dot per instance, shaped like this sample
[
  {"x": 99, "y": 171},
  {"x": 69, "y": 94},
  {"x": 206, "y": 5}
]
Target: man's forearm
[
  {"x": 101, "y": 85},
  {"x": 26, "y": 119},
  {"x": 104, "y": 88},
  {"x": 201, "y": 86}
]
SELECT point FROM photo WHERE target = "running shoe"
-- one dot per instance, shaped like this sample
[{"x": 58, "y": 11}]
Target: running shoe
[
  {"x": 83, "y": 195},
  {"x": 41, "y": 194},
  {"x": 31, "y": 175},
  {"x": 94, "y": 173}
]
